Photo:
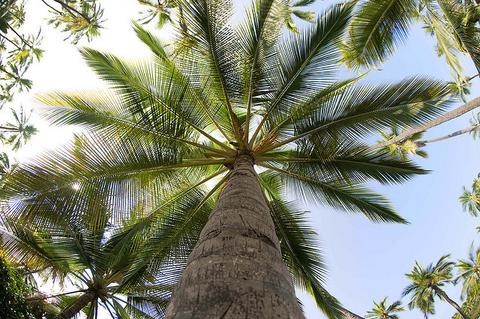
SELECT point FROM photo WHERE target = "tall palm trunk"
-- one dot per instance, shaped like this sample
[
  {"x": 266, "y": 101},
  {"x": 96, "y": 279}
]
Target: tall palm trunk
[
  {"x": 77, "y": 306},
  {"x": 444, "y": 295},
  {"x": 236, "y": 268}
]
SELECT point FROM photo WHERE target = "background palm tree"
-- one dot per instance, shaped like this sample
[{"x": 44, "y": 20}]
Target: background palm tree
[
  {"x": 471, "y": 304},
  {"x": 382, "y": 310},
  {"x": 255, "y": 116},
  {"x": 414, "y": 143},
  {"x": 427, "y": 284},
  {"x": 469, "y": 271},
  {"x": 470, "y": 199}
]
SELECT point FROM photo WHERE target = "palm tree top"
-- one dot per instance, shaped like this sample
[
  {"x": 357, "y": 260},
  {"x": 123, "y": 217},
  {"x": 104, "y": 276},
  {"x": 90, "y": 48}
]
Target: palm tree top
[
  {"x": 212, "y": 95},
  {"x": 249, "y": 91},
  {"x": 426, "y": 282},
  {"x": 434, "y": 274},
  {"x": 382, "y": 310}
]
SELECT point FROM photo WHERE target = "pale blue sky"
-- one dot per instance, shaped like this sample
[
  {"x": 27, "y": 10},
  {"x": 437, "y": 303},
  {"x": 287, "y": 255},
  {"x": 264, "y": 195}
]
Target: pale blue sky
[{"x": 366, "y": 261}]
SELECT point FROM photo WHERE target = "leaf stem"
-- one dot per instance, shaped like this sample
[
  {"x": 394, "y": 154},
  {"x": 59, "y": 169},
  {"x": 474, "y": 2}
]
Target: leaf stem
[{"x": 72, "y": 9}]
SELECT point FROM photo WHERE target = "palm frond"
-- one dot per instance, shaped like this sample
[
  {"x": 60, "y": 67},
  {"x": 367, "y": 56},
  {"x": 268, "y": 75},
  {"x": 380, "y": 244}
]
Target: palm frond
[
  {"x": 359, "y": 111},
  {"x": 213, "y": 110},
  {"x": 303, "y": 258},
  {"x": 346, "y": 161},
  {"x": 258, "y": 35},
  {"x": 463, "y": 22},
  {"x": 346, "y": 197},
  {"x": 214, "y": 39},
  {"x": 306, "y": 63},
  {"x": 376, "y": 29},
  {"x": 153, "y": 94},
  {"x": 445, "y": 42}
]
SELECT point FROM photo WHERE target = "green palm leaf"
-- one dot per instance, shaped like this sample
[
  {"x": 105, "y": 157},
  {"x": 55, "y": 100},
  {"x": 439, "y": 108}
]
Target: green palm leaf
[
  {"x": 377, "y": 28},
  {"x": 306, "y": 63},
  {"x": 303, "y": 258}
]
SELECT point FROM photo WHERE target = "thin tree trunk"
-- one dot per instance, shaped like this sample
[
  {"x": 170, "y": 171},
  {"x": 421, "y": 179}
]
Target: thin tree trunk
[
  {"x": 445, "y": 137},
  {"x": 77, "y": 306},
  {"x": 8, "y": 129},
  {"x": 236, "y": 269},
  {"x": 428, "y": 125},
  {"x": 444, "y": 295},
  {"x": 43, "y": 297}
]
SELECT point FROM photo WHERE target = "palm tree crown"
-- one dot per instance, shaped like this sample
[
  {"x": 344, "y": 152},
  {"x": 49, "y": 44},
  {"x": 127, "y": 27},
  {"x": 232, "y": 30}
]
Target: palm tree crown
[
  {"x": 217, "y": 94},
  {"x": 383, "y": 311},
  {"x": 470, "y": 199},
  {"x": 427, "y": 283}
]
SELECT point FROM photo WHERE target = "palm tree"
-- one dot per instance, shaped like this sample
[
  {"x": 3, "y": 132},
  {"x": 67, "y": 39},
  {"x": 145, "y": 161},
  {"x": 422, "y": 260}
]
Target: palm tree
[
  {"x": 254, "y": 116},
  {"x": 19, "y": 132},
  {"x": 427, "y": 284},
  {"x": 402, "y": 149},
  {"x": 471, "y": 304},
  {"x": 469, "y": 271},
  {"x": 383, "y": 311},
  {"x": 470, "y": 199}
]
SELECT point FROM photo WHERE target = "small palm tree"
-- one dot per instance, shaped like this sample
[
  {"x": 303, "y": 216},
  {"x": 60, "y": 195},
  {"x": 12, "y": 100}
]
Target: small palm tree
[
  {"x": 470, "y": 199},
  {"x": 19, "y": 132},
  {"x": 255, "y": 116},
  {"x": 383, "y": 311},
  {"x": 427, "y": 284},
  {"x": 469, "y": 271},
  {"x": 405, "y": 148}
]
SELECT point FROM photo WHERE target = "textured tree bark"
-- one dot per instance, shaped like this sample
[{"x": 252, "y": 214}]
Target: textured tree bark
[
  {"x": 77, "y": 306},
  {"x": 444, "y": 295},
  {"x": 236, "y": 269}
]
